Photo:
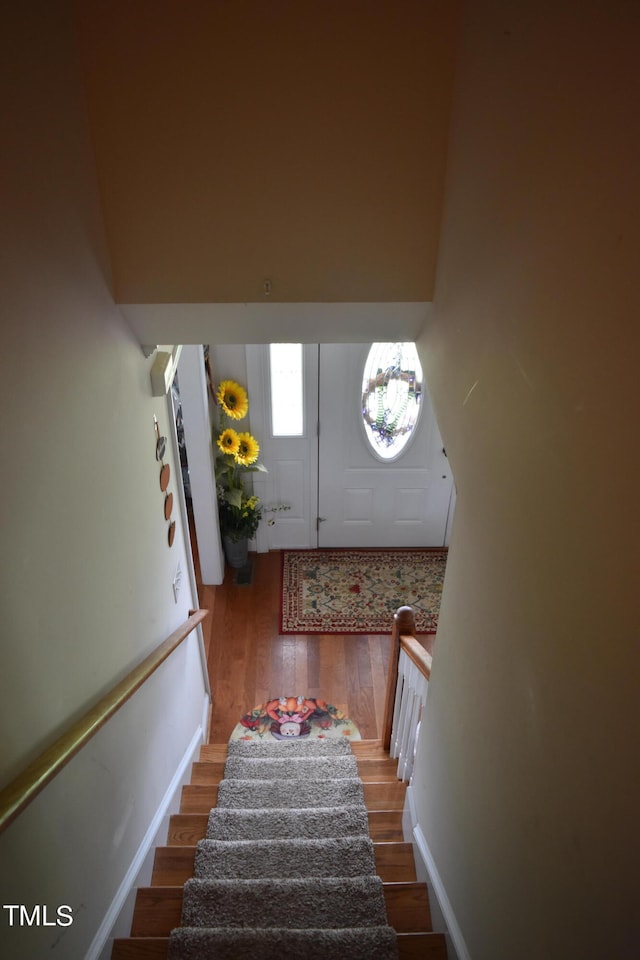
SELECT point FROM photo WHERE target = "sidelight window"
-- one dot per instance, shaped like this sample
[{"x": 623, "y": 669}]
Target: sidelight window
[{"x": 287, "y": 413}]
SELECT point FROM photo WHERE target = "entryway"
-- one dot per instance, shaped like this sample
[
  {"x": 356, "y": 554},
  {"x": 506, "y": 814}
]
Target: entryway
[{"x": 344, "y": 490}]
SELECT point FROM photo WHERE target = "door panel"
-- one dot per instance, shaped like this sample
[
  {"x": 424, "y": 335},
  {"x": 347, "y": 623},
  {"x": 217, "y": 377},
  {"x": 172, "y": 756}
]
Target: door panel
[
  {"x": 292, "y": 462},
  {"x": 334, "y": 474},
  {"x": 364, "y": 502}
]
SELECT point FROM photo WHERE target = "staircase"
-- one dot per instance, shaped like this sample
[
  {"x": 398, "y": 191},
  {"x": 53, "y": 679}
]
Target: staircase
[{"x": 158, "y": 908}]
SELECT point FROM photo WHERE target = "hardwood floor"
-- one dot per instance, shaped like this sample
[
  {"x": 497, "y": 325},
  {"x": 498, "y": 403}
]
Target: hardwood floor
[{"x": 251, "y": 662}]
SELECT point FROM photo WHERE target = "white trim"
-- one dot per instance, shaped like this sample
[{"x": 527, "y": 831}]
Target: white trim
[
  {"x": 164, "y": 370},
  {"x": 201, "y": 456},
  {"x": 426, "y": 867},
  {"x": 450, "y": 515},
  {"x": 298, "y": 531},
  {"x": 182, "y": 506},
  {"x": 102, "y": 942},
  {"x": 256, "y": 388},
  {"x": 346, "y": 322}
]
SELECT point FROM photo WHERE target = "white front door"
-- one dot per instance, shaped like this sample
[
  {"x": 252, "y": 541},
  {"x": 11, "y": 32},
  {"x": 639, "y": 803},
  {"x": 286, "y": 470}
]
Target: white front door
[
  {"x": 340, "y": 493},
  {"x": 362, "y": 500}
]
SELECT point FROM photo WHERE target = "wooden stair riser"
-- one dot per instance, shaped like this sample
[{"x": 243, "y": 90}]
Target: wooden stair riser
[
  {"x": 210, "y": 773},
  {"x": 200, "y": 797},
  {"x": 385, "y": 826},
  {"x": 213, "y": 752},
  {"x": 378, "y": 770},
  {"x": 175, "y": 865},
  {"x": 368, "y": 770},
  {"x": 185, "y": 829},
  {"x": 141, "y": 948},
  {"x": 362, "y": 749},
  {"x": 158, "y": 909},
  {"x": 420, "y": 946},
  {"x": 411, "y": 946},
  {"x": 371, "y": 749}
]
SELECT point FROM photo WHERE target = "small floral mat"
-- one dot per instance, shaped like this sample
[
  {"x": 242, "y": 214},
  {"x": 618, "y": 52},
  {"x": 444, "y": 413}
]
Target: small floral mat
[
  {"x": 288, "y": 718},
  {"x": 358, "y": 591}
]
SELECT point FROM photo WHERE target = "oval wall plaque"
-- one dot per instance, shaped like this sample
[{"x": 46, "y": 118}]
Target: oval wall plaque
[
  {"x": 165, "y": 474},
  {"x": 161, "y": 447}
]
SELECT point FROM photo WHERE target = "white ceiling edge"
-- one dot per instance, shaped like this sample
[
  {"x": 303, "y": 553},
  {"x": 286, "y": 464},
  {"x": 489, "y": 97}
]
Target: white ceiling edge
[{"x": 154, "y": 323}]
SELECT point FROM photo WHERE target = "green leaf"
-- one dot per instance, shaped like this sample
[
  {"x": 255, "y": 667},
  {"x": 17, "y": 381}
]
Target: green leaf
[
  {"x": 234, "y": 497},
  {"x": 223, "y": 464},
  {"x": 254, "y": 467}
]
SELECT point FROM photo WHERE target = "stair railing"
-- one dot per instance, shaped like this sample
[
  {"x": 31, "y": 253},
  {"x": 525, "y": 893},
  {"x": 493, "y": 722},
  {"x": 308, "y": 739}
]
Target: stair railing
[
  {"x": 407, "y": 685},
  {"x": 35, "y": 777}
]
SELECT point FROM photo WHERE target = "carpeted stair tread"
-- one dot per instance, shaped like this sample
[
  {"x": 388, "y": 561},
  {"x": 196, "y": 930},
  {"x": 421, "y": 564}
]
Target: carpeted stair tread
[
  {"x": 290, "y": 793},
  {"x": 287, "y": 867},
  {"x": 290, "y": 903},
  {"x": 328, "y": 747},
  {"x": 296, "y": 768},
  {"x": 259, "y": 859},
  {"x": 355, "y": 943},
  {"x": 283, "y": 822}
]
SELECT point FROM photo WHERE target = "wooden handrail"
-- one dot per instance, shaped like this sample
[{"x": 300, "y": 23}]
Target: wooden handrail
[
  {"x": 34, "y": 778},
  {"x": 417, "y": 654}
]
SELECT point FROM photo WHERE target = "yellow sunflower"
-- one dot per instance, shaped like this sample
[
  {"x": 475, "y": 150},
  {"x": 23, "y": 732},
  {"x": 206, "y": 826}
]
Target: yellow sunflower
[
  {"x": 228, "y": 441},
  {"x": 248, "y": 450},
  {"x": 233, "y": 399}
]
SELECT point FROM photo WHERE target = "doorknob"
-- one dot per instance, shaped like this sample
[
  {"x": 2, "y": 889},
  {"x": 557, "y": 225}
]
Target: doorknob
[{"x": 319, "y": 520}]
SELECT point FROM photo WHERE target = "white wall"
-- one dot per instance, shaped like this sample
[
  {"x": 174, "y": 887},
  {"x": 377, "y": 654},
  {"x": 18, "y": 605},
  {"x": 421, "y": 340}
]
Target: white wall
[
  {"x": 527, "y": 780},
  {"x": 85, "y": 567},
  {"x": 228, "y": 362}
]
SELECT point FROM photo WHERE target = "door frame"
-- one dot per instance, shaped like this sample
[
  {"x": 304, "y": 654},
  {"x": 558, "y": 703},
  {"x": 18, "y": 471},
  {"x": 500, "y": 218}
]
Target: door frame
[{"x": 258, "y": 386}]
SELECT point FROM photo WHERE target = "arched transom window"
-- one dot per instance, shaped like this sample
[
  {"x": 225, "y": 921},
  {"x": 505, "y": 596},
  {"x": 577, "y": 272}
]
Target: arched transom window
[{"x": 391, "y": 397}]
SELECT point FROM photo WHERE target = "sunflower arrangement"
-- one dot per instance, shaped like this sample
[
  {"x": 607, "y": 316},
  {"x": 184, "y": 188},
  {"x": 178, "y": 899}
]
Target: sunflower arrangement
[
  {"x": 240, "y": 512},
  {"x": 233, "y": 399}
]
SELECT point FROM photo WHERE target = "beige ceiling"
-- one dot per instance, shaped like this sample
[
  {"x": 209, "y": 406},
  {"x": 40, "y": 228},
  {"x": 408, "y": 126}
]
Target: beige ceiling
[{"x": 300, "y": 141}]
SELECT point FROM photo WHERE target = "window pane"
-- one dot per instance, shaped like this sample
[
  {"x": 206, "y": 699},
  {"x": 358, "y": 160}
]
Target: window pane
[
  {"x": 391, "y": 396},
  {"x": 287, "y": 415}
]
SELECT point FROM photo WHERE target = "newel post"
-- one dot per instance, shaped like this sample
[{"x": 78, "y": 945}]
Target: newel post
[{"x": 404, "y": 625}]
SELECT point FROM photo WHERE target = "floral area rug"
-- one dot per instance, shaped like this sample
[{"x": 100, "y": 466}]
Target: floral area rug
[
  {"x": 358, "y": 591},
  {"x": 294, "y": 718}
]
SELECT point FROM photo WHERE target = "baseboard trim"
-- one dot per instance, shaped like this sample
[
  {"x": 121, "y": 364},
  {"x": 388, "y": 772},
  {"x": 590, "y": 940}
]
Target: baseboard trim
[
  {"x": 101, "y": 945},
  {"x": 426, "y": 865}
]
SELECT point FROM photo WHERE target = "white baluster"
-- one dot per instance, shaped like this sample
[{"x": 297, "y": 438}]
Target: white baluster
[
  {"x": 408, "y": 733},
  {"x": 419, "y": 694},
  {"x": 403, "y": 668},
  {"x": 395, "y": 726},
  {"x": 411, "y": 695}
]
